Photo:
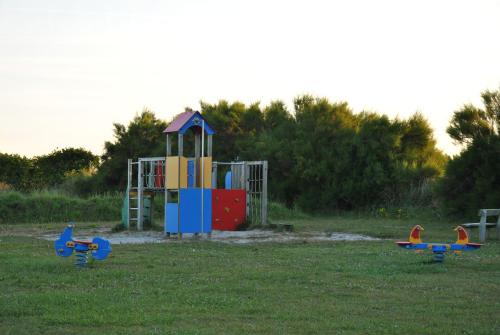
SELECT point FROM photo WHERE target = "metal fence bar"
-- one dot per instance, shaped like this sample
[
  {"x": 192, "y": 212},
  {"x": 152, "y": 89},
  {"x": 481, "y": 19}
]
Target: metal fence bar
[
  {"x": 139, "y": 195},
  {"x": 152, "y": 159},
  {"x": 129, "y": 185},
  {"x": 214, "y": 175},
  {"x": 255, "y": 193},
  {"x": 247, "y": 187},
  {"x": 230, "y": 163},
  {"x": 264, "y": 193},
  {"x": 259, "y": 191}
]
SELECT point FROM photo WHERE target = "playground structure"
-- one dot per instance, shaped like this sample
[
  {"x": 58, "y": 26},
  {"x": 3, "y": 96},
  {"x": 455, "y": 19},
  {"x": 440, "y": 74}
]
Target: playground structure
[
  {"x": 439, "y": 249},
  {"x": 99, "y": 248},
  {"x": 193, "y": 203}
]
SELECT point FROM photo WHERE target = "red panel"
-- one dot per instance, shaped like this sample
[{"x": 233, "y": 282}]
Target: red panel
[
  {"x": 159, "y": 178},
  {"x": 228, "y": 209}
]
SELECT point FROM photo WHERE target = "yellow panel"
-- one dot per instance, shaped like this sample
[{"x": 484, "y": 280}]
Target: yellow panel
[
  {"x": 173, "y": 164},
  {"x": 183, "y": 182},
  {"x": 207, "y": 167}
]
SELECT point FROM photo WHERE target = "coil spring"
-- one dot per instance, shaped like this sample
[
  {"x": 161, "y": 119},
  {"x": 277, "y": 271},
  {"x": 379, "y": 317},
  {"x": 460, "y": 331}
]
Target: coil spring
[
  {"x": 439, "y": 257},
  {"x": 81, "y": 259}
]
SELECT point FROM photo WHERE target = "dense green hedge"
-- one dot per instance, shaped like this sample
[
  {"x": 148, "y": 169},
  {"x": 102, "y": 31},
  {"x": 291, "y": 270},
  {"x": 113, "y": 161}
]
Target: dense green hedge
[
  {"x": 40, "y": 207},
  {"x": 16, "y": 207}
]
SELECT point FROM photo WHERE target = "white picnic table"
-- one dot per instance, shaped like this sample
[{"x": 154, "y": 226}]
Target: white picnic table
[{"x": 483, "y": 224}]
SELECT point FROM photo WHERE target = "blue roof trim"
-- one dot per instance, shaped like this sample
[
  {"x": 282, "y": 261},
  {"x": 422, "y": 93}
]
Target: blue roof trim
[{"x": 195, "y": 121}]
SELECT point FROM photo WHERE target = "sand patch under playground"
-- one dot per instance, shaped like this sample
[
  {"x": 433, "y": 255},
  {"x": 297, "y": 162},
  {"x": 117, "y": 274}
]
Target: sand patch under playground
[{"x": 232, "y": 237}]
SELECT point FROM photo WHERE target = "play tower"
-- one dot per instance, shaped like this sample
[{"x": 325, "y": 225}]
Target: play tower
[{"x": 193, "y": 203}]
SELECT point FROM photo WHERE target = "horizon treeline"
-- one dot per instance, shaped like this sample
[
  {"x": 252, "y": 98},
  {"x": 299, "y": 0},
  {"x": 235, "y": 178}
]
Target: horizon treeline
[{"x": 322, "y": 156}]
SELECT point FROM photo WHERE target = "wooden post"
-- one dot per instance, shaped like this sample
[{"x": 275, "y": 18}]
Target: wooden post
[
  {"x": 482, "y": 225},
  {"x": 498, "y": 227}
]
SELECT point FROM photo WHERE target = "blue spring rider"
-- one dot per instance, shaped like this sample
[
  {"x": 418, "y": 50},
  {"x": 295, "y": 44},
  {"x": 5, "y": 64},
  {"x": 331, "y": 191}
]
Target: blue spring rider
[{"x": 99, "y": 248}]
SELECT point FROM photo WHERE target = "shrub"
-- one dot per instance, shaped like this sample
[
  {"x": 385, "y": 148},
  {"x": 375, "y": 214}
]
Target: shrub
[{"x": 39, "y": 207}]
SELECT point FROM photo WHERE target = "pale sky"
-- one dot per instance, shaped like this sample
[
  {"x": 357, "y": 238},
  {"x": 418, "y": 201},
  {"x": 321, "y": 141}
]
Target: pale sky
[{"x": 69, "y": 69}]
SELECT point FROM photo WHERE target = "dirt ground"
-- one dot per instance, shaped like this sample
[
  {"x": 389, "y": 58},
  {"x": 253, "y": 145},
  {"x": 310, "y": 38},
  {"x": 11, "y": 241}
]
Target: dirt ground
[{"x": 233, "y": 237}]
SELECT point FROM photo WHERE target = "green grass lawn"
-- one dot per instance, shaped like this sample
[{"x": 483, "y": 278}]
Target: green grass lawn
[{"x": 203, "y": 287}]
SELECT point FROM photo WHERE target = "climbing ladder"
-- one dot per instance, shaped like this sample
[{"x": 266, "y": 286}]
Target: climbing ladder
[{"x": 144, "y": 178}]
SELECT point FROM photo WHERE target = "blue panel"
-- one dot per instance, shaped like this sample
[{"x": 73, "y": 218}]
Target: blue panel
[
  {"x": 439, "y": 248},
  {"x": 227, "y": 180},
  {"x": 196, "y": 120},
  {"x": 190, "y": 210},
  {"x": 190, "y": 173},
  {"x": 207, "y": 215},
  {"x": 171, "y": 222}
]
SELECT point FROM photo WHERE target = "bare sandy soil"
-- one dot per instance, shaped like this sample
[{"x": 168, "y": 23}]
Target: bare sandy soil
[{"x": 233, "y": 237}]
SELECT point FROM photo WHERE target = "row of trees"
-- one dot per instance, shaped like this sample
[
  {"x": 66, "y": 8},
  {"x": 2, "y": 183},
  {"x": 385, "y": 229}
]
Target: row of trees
[
  {"x": 45, "y": 171},
  {"x": 321, "y": 155}
]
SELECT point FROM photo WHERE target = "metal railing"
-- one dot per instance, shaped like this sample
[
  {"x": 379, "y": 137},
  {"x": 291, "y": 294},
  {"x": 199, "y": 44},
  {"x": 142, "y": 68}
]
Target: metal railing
[{"x": 252, "y": 177}]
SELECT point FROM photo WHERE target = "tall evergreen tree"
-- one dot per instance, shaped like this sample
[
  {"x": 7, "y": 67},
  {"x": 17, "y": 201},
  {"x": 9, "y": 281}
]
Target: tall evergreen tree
[
  {"x": 142, "y": 137},
  {"x": 472, "y": 179}
]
